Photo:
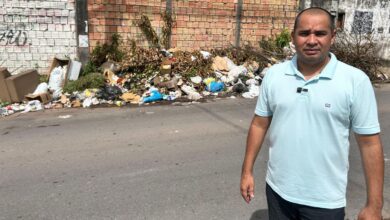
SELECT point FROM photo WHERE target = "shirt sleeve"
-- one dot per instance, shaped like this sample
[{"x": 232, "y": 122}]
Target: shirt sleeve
[
  {"x": 262, "y": 106},
  {"x": 364, "y": 112}
]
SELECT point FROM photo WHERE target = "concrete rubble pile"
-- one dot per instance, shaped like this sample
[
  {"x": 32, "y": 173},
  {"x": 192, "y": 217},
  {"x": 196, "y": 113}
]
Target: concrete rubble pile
[{"x": 179, "y": 77}]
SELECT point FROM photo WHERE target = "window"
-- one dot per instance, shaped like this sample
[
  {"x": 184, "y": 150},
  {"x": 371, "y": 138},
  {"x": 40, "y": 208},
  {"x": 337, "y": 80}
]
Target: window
[
  {"x": 340, "y": 21},
  {"x": 384, "y": 3},
  {"x": 362, "y": 22}
]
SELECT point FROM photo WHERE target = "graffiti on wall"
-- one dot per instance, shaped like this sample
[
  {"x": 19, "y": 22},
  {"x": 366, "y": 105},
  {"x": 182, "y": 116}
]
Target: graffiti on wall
[{"x": 13, "y": 37}]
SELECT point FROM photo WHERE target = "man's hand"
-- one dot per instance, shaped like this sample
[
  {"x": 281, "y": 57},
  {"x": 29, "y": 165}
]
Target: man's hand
[
  {"x": 247, "y": 187},
  {"x": 256, "y": 135},
  {"x": 369, "y": 213},
  {"x": 373, "y": 163}
]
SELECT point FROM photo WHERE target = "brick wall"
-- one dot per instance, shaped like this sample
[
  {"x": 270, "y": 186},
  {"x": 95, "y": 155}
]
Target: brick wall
[
  {"x": 198, "y": 23},
  {"x": 32, "y": 32}
]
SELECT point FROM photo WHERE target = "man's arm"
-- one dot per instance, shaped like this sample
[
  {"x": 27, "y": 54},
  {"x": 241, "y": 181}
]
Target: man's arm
[
  {"x": 256, "y": 135},
  {"x": 373, "y": 163}
]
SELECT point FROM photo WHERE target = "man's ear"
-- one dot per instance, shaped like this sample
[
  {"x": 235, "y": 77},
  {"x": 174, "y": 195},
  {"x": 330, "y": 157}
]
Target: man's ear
[
  {"x": 333, "y": 37},
  {"x": 292, "y": 37}
]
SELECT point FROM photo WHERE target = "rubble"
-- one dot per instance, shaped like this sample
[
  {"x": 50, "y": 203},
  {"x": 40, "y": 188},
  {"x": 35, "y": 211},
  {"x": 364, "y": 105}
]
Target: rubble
[
  {"x": 121, "y": 74},
  {"x": 147, "y": 76}
]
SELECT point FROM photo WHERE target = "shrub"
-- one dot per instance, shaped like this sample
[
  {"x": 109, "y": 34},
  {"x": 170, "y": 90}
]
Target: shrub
[
  {"x": 101, "y": 53},
  {"x": 274, "y": 46},
  {"x": 360, "y": 51},
  {"x": 93, "y": 80}
]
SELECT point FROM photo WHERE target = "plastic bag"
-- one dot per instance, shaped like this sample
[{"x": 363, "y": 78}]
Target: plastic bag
[
  {"x": 154, "y": 96},
  {"x": 41, "y": 88},
  {"x": 215, "y": 87}
]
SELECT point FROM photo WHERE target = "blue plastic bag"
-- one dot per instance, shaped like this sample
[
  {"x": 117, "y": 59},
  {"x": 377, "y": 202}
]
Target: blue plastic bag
[
  {"x": 215, "y": 87},
  {"x": 154, "y": 96}
]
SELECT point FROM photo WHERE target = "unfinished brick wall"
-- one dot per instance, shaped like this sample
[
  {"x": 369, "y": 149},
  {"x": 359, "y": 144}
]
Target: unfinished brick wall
[
  {"x": 32, "y": 32},
  {"x": 198, "y": 23}
]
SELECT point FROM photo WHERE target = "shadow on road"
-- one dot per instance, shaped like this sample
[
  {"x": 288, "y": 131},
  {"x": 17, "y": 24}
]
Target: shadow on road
[{"x": 261, "y": 214}]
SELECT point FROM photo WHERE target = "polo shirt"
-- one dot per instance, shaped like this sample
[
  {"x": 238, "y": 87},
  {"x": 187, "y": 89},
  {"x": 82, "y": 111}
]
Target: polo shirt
[{"x": 310, "y": 127}]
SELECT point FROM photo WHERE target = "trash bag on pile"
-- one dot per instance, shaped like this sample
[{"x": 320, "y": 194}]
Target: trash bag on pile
[
  {"x": 213, "y": 86},
  {"x": 240, "y": 87},
  {"x": 56, "y": 81},
  {"x": 109, "y": 93},
  {"x": 192, "y": 94},
  {"x": 152, "y": 95}
]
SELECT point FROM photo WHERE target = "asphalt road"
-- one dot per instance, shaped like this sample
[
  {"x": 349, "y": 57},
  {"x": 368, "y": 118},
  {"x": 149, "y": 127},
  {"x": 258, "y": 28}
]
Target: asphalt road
[{"x": 153, "y": 162}]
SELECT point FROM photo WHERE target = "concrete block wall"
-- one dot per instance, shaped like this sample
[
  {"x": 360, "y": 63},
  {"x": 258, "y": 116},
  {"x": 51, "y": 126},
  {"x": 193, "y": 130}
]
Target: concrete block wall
[
  {"x": 199, "y": 24},
  {"x": 32, "y": 32},
  {"x": 380, "y": 21}
]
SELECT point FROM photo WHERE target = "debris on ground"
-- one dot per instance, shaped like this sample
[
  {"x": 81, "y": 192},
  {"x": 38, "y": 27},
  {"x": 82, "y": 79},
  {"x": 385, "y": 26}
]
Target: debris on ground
[
  {"x": 118, "y": 75},
  {"x": 145, "y": 76}
]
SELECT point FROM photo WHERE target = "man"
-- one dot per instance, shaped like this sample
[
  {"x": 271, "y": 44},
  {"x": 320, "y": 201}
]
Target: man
[{"x": 309, "y": 105}]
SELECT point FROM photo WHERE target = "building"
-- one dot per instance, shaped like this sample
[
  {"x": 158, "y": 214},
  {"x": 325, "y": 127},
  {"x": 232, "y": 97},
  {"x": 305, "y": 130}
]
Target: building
[{"x": 360, "y": 16}]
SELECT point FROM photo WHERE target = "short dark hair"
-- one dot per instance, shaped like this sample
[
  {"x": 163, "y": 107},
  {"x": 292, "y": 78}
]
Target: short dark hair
[{"x": 331, "y": 19}]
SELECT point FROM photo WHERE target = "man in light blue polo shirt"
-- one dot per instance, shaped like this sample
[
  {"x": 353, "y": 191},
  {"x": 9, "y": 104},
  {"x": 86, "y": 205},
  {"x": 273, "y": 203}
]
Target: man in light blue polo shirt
[{"x": 308, "y": 105}]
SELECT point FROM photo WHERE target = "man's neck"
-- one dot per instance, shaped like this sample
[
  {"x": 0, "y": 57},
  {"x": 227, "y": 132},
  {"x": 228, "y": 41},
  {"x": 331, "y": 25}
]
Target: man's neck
[{"x": 311, "y": 70}]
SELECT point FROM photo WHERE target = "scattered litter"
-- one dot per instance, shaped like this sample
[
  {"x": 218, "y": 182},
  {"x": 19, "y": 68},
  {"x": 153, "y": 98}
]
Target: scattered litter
[
  {"x": 205, "y": 54},
  {"x": 65, "y": 116},
  {"x": 56, "y": 80},
  {"x": 191, "y": 92},
  {"x": 131, "y": 98},
  {"x": 152, "y": 96},
  {"x": 215, "y": 87},
  {"x": 33, "y": 106},
  {"x": 240, "y": 87},
  {"x": 87, "y": 102},
  {"x": 149, "y": 75},
  {"x": 254, "y": 91},
  {"x": 41, "y": 88},
  {"x": 196, "y": 79}
]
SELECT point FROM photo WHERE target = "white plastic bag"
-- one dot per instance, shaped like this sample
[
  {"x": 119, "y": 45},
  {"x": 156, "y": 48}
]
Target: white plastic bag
[{"x": 41, "y": 88}]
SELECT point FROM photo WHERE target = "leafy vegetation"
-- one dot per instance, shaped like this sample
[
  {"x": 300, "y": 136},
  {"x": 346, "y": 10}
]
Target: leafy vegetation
[
  {"x": 93, "y": 80},
  {"x": 274, "y": 45},
  {"x": 107, "y": 51}
]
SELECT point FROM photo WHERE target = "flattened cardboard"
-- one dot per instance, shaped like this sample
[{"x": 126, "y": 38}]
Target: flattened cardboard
[
  {"x": 43, "y": 97},
  {"x": 22, "y": 84},
  {"x": 4, "y": 94}
]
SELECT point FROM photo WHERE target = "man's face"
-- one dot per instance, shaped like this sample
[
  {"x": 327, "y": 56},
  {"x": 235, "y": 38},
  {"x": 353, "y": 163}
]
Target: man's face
[{"x": 313, "y": 38}]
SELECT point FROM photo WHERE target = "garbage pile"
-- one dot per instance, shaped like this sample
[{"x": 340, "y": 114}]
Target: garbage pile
[{"x": 150, "y": 75}]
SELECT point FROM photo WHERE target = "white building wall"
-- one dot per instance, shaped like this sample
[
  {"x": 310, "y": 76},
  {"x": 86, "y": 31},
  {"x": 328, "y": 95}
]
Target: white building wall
[
  {"x": 380, "y": 10},
  {"x": 32, "y": 32},
  {"x": 381, "y": 19}
]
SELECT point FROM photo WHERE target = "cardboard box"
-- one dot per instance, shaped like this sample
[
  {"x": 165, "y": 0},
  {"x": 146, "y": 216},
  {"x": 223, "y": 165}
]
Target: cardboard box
[
  {"x": 22, "y": 84},
  {"x": 4, "y": 94},
  {"x": 59, "y": 61},
  {"x": 73, "y": 68},
  {"x": 43, "y": 97}
]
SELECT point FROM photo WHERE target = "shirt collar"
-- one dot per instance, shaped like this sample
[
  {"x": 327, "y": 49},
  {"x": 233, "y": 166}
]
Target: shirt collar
[{"x": 327, "y": 72}]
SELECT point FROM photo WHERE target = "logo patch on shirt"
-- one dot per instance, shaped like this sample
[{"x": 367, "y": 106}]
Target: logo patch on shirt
[{"x": 327, "y": 105}]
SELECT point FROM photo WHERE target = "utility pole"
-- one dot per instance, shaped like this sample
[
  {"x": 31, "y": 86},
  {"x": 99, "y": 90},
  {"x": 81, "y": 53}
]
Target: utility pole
[
  {"x": 82, "y": 30},
  {"x": 238, "y": 23},
  {"x": 169, "y": 12}
]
